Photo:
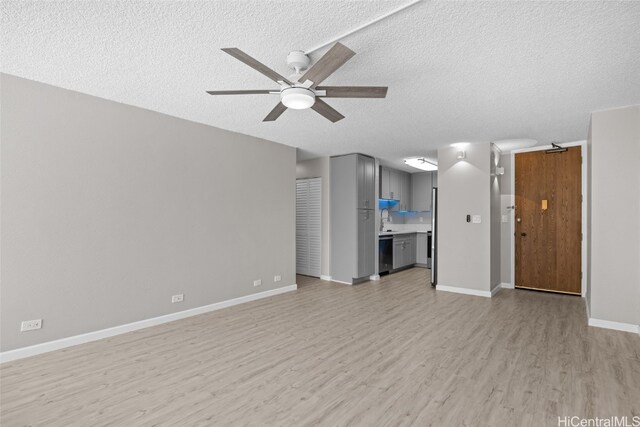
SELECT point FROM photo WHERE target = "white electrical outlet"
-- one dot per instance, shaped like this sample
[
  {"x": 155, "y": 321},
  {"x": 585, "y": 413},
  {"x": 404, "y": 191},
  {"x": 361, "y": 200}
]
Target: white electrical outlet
[
  {"x": 30, "y": 325},
  {"x": 177, "y": 298},
  {"x": 476, "y": 219},
  {"x": 277, "y": 278},
  {"x": 257, "y": 282}
]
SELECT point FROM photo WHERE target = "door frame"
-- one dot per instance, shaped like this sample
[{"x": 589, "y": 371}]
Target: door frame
[{"x": 585, "y": 192}]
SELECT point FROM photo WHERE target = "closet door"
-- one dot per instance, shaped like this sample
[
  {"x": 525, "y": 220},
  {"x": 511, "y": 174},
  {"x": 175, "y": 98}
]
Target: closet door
[
  {"x": 308, "y": 226},
  {"x": 302, "y": 236}
]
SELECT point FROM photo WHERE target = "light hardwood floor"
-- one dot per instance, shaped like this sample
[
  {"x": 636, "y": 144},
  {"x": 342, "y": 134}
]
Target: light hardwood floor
[{"x": 393, "y": 352}]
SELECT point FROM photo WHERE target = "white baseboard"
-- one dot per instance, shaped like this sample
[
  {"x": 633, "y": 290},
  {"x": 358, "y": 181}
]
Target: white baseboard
[
  {"x": 465, "y": 291},
  {"x": 618, "y": 326},
  {"x": 507, "y": 285},
  {"x": 374, "y": 277},
  {"x": 495, "y": 290},
  {"x": 326, "y": 278},
  {"x": 586, "y": 304},
  {"x": 342, "y": 282},
  {"x": 46, "y": 347}
]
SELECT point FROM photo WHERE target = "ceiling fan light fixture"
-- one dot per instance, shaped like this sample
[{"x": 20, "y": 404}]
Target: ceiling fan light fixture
[
  {"x": 421, "y": 163},
  {"x": 297, "y": 98}
]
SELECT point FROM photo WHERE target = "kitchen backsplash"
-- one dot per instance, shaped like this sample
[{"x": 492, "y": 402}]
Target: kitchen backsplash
[{"x": 409, "y": 221}]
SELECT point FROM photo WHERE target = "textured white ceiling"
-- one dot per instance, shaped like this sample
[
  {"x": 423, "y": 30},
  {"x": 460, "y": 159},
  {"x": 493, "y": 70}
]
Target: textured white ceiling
[{"x": 456, "y": 71}]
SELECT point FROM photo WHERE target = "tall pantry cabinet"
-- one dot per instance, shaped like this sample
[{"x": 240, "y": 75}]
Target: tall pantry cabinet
[{"x": 352, "y": 217}]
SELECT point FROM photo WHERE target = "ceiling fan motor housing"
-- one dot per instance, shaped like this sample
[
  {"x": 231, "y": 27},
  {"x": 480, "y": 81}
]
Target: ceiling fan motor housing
[{"x": 298, "y": 61}]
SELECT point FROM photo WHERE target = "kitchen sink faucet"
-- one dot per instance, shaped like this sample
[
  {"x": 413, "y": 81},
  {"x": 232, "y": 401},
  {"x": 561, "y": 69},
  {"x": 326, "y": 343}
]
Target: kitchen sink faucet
[{"x": 382, "y": 218}]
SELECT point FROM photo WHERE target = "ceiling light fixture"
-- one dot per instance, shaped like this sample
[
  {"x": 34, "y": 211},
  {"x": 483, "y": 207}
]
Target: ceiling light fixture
[
  {"x": 421, "y": 163},
  {"x": 297, "y": 98},
  {"x": 460, "y": 144}
]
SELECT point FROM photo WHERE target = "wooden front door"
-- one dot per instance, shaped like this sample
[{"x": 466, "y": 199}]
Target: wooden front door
[{"x": 548, "y": 215}]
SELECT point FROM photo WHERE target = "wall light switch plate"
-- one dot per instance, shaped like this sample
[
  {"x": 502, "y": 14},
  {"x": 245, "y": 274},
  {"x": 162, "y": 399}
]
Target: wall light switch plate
[
  {"x": 505, "y": 218},
  {"x": 476, "y": 219},
  {"x": 277, "y": 278},
  {"x": 177, "y": 298},
  {"x": 257, "y": 282}
]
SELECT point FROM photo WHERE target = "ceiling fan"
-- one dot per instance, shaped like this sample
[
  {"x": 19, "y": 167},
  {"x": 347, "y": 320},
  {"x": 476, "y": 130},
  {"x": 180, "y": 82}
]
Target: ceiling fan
[{"x": 301, "y": 90}]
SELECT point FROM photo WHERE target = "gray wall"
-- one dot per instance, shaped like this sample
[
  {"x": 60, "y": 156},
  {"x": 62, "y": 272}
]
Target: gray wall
[
  {"x": 588, "y": 201},
  {"x": 315, "y": 168},
  {"x": 494, "y": 184},
  {"x": 507, "y": 198},
  {"x": 108, "y": 210},
  {"x": 615, "y": 212},
  {"x": 464, "y": 258}
]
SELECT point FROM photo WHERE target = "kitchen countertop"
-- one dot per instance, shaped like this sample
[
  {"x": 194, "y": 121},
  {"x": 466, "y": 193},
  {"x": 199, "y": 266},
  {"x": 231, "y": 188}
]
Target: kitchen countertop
[{"x": 393, "y": 233}]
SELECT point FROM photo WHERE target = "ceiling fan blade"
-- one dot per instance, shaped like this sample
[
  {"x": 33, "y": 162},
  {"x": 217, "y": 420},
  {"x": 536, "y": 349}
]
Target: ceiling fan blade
[
  {"x": 240, "y": 92},
  {"x": 354, "y": 91},
  {"x": 330, "y": 62},
  {"x": 326, "y": 110},
  {"x": 275, "y": 113},
  {"x": 255, "y": 64}
]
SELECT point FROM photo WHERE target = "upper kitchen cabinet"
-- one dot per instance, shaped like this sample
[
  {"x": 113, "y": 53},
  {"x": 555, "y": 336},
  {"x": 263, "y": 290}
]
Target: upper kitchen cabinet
[
  {"x": 422, "y": 183},
  {"x": 396, "y": 185},
  {"x": 385, "y": 183},
  {"x": 366, "y": 179},
  {"x": 390, "y": 183},
  {"x": 395, "y": 189},
  {"x": 421, "y": 189},
  {"x": 405, "y": 192}
]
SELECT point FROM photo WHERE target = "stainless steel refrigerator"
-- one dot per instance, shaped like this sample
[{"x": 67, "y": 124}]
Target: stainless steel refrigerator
[{"x": 434, "y": 236}]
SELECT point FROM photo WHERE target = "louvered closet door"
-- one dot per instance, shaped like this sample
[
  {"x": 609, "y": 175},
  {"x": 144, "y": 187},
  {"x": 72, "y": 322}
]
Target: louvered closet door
[
  {"x": 302, "y": 235},
  {"x": 308, "y": 226}
]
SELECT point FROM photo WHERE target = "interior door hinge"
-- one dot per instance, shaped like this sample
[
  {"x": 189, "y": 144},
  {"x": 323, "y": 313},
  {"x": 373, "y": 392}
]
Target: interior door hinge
[{"x": 580, "y": 236}]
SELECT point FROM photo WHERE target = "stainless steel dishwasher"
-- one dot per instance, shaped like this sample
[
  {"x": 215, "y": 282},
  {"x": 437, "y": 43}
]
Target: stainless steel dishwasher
[{"x": 385, "y": 258}]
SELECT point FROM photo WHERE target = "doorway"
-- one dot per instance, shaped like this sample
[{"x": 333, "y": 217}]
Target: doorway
[
  {"x": 308, "y": 226},
  {"x": 548, "y": 220}
]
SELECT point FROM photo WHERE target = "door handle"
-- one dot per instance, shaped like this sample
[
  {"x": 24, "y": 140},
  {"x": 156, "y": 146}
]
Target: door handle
[{"x": 523, "y": 234}]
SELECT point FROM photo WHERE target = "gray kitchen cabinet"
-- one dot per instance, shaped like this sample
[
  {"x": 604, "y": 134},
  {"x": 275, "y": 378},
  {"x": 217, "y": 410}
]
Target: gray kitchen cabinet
[
  {"x": 395, "y": 190},
  {"x": 366, "y": 241},
  {"x": 404, "y": 250},
  {"x": 421, "y": 191},
  {"x": 398, "y": 252},
  {"x": 385, "y": 182},
  {"x": 396, "y": 185},
  {"x": 421, "y": 249},
  {"x": 400, "y": 189},
  {"x": 352, "y": 208},
  {"x": 365, "y": 170},
  {"x": 405, "y": 191},
  {"x": 411, "y": 253}
]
